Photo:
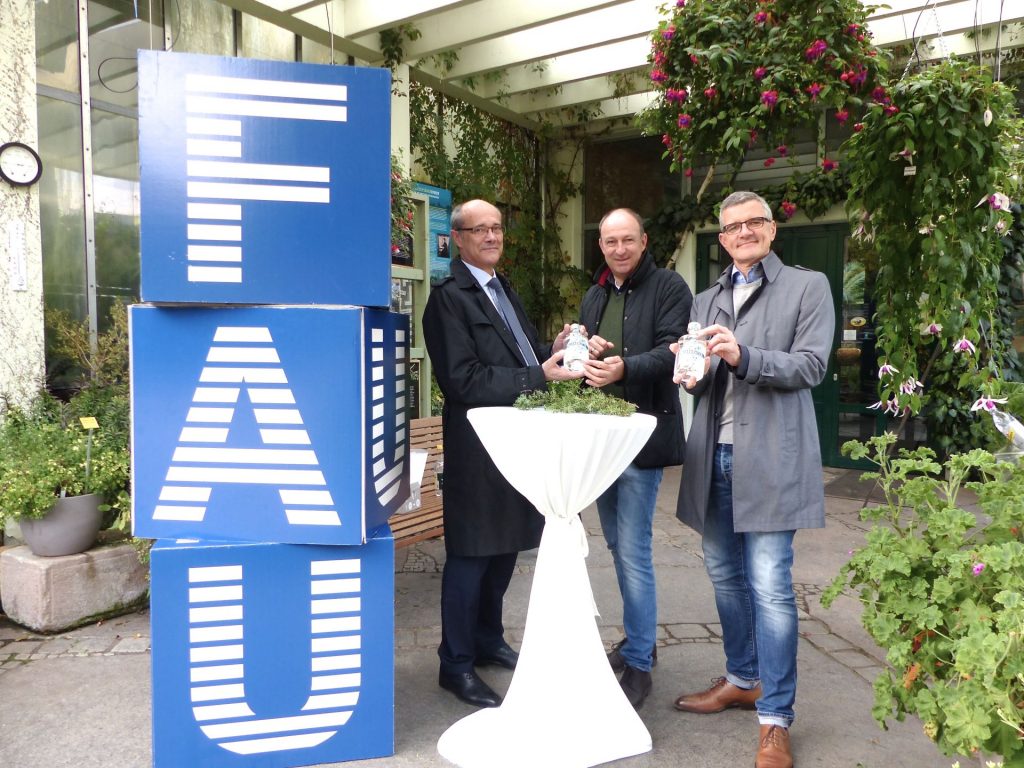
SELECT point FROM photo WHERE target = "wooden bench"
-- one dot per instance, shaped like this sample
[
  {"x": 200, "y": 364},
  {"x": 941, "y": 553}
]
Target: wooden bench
[{"x": 427, "y": 522}]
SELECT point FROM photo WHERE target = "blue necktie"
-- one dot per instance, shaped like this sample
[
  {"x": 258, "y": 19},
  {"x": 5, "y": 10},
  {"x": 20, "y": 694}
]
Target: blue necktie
[{"x": 512, "y": 321}]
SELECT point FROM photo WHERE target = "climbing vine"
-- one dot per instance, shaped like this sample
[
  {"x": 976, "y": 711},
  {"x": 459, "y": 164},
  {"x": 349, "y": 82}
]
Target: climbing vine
[
  {"x": 475, "y": 154},
  {"x": 933, "y": 171}
]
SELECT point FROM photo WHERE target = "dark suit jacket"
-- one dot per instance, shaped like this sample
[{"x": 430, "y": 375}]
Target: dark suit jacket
[{"x": 477, "y": 363}]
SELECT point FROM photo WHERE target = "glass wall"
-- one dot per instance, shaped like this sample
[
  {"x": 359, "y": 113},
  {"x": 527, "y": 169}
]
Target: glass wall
[{"x": 89, "y": 192}]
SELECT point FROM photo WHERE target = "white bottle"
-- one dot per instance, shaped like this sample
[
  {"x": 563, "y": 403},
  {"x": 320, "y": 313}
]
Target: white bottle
[
  {"x": 439, "y": 473},
  {"x": 693, "y": 350},
  {"x": 576, "y": 350},
  {"x": 1010, "y": 427}
]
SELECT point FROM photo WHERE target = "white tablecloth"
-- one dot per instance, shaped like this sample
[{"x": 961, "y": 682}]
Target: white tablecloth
[{"x": 564, "y": 708}]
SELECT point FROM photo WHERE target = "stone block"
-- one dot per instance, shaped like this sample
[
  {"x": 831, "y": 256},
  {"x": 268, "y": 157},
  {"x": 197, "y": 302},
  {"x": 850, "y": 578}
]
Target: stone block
[{"x": 51, "y": 594}]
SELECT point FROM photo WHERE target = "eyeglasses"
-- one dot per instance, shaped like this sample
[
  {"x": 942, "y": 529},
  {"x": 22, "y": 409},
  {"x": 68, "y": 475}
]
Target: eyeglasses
[
  {"x": 497, "y": 230},
  {"x": 753, "y": 225}
]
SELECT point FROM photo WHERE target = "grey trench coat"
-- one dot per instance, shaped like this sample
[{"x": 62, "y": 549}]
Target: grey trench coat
[{"x": 787, "y": 327}]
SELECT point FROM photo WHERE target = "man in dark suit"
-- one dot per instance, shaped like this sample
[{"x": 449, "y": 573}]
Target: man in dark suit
[{"x": 485, "y": 352}]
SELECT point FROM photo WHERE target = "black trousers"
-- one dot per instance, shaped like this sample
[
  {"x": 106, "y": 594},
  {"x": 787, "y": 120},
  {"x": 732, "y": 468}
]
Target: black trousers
[{"x": 472, "y": 594}]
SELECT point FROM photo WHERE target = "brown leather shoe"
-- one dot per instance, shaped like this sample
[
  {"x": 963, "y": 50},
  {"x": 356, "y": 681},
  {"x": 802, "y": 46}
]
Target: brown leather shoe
[
  {"x": 720, "y": 696},
  {"x": 773, "y": 748}
]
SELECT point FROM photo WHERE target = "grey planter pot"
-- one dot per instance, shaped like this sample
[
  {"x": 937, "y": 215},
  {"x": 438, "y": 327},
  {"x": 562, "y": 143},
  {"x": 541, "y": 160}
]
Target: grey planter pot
[{"x": 67, "y": 529}]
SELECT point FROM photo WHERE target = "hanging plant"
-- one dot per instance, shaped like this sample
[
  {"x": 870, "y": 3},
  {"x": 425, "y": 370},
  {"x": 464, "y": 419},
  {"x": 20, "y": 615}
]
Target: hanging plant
[
  {"x": 931, "y": 169},
  {"x": 733, "y": 74}
]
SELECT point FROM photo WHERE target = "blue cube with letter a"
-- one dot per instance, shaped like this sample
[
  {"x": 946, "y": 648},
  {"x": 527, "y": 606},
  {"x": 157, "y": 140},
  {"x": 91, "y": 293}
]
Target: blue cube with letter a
[
  {"x": 275, "y": 424},
  {"x": 264, "y": 182},
  {"x": 272, "y": 655}
]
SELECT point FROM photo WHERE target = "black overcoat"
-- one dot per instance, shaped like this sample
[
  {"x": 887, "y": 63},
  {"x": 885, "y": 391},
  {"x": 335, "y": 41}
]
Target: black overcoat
[{"x": 477, "y": 363}]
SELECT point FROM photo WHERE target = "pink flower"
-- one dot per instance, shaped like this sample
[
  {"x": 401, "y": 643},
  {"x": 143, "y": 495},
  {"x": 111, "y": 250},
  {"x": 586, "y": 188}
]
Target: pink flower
[
  {"x": 828, "y": 165},
  {"x": 910, "y": 386},
  {"x": 987, "y": 403},
  {"x": 964, "y": 345},
  {"x": 998, "y": 201},
  {"x": 887, "y": 370},
  {"x": 878, "y": 94},
  {"x": 931, "y": 329},
  {"x": 782, "y": 149},
  {"x": 669, "y": 33},
  {"x": 676, "y": 94},
  {"x": 858, "y": 127},
  {"x": 666, "y": 140},
  {"x": 658, "y": 76},
  {"x": 842, "y": 115},
  {"x": 688, "y": 173},
  {"x": 694, "y": 59},
  {"x": 852, "y": 29},
  {"x": 680, "y": 3},
  {"x": 685, "y": 121},
  {"x": 815, "y": 50},
  {"x": 660, "y": 58},
  {"x": 788, "y": 208},
  {"x": 814, "y": 89},
  {"x": 769, "y": 162},
  {"x": 978, "y": 568},
  {"x": 760, "y": 17},
  {"x": 770, "y": 98},
  {"x": 710, "y": 93},
  {"x": 753, "y": 137},
  {"x": 759, "y": 73}
]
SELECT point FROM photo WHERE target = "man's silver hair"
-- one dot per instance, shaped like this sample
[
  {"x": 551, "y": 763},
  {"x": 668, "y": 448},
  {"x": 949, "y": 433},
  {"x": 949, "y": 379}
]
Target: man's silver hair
[{"x": 741, "y": 197}]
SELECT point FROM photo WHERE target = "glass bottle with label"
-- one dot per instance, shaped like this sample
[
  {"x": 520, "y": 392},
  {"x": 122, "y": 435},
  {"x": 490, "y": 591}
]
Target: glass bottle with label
[
  {"x": 576, "y": 351},
  {"x": 439, "y": 472},
  {"x": 693, "y": 350}
]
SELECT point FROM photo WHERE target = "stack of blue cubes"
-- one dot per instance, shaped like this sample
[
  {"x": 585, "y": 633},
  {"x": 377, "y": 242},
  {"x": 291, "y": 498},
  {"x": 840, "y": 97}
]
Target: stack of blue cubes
[{"x": 269, "y": 435}]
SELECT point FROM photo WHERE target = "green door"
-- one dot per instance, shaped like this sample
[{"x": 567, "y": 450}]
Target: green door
[{"x": 823, "y": 249}]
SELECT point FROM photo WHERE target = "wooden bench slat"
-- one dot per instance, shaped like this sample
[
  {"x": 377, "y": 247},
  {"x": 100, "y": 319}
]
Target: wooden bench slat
[{"x": 427, "y": 522}]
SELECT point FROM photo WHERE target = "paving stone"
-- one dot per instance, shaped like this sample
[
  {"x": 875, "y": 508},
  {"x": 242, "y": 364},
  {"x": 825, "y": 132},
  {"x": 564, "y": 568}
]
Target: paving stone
[
  {"x": 687, "y": 631},
  {"x": 405, "y": 638},
  {"x": 87, "y": 645},
  {"x": 131, "y": 645},
  {"x": 56, "y": 647},
  {"x": 428, "y": 637},
  {"x": 854, "y": 658},
  {"x": 830, "y": 642},
  {"x": 811, "y": 626}
]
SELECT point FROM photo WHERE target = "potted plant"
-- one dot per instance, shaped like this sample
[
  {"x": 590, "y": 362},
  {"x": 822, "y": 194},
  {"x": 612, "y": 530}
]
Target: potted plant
[
  {"x": 52, "y": 460},
  {"x": 59, "y": 475},
  {"x": 941, "y": 578}
]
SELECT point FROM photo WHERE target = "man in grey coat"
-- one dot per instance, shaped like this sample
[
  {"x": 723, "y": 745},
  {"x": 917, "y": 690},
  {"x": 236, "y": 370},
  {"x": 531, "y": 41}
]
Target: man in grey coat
[{"x": 753, "y": 465}]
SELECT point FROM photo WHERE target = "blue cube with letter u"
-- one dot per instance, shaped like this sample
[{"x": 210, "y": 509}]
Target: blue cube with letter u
[
  {"x": 272, "y": 655},
  {"x": 277, "y": 424}
]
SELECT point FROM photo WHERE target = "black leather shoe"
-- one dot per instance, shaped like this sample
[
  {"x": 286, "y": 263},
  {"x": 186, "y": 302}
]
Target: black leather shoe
[
  {"x": 636, "y": 684},
  {"x": 503, "y": 657},
  {"x": 617, "y": 661},
  {"x": 468, "y": 687}
]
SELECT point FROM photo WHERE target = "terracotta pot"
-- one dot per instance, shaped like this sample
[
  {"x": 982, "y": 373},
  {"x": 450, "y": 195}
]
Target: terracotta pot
[{"x": 70, "y": 527}]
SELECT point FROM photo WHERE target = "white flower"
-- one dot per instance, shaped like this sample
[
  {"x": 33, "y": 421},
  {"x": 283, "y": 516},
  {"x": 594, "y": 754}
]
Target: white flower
[
  {"x": 987, "y": 403},
  {"x": 887, "y": 370}
]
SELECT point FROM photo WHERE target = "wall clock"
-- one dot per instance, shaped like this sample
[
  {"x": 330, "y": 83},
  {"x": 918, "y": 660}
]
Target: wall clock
[{"x": 20, "y": 165}]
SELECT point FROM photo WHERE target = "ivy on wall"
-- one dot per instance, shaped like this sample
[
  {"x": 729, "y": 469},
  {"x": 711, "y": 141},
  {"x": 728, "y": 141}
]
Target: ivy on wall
[{"x": 477, "y": 155}]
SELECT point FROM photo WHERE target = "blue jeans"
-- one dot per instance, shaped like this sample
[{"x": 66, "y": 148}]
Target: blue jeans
[
  {"x": 627, "y": 514},
  {"x": 751, "y": 574}
]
